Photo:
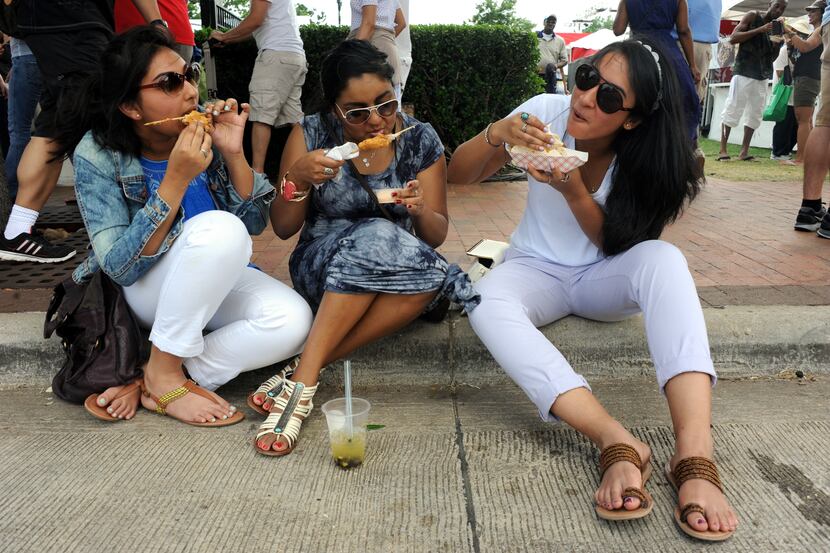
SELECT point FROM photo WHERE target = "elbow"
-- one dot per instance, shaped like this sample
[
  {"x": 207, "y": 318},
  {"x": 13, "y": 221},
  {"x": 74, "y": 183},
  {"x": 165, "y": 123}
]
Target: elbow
[{"x": 283, "y": 231}]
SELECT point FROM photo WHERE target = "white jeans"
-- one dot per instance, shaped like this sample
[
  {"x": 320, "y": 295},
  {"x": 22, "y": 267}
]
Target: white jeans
[
  {"x": 525, "y": 292},
  {"x": 746, "y": 97},
  {"x": 203, "y": 283}
]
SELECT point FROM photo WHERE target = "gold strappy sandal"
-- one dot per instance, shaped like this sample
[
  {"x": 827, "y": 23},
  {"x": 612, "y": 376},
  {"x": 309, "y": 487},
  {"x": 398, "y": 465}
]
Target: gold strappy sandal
[{"x": 186, "y": 388}]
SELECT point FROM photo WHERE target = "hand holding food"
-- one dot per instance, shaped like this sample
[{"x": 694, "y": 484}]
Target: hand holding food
[
  {"x": 229, "y": 121},
  {"x": 314, "y": 168},
  {"x": 555, "y": 156},
  {"x": 522, "y": 129},
  {"x": 190, "y": 156}
]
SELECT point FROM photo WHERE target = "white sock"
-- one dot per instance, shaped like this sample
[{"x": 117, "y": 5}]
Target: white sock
[{"x": 21, "y": 220}]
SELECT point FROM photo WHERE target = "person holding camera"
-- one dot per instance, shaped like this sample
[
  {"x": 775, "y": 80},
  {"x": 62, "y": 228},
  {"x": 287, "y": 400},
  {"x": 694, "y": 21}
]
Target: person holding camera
[{"x": 752, "y": 70}]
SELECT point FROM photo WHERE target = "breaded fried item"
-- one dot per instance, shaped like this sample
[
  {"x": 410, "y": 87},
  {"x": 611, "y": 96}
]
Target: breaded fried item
[
  {"x": 375, "y": 143},
  {"x": 194, "y": 116}
]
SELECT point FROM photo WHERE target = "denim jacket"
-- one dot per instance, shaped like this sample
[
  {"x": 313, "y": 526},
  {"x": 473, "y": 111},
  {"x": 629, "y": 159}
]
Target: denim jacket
[{"x": 120, "y": 216}]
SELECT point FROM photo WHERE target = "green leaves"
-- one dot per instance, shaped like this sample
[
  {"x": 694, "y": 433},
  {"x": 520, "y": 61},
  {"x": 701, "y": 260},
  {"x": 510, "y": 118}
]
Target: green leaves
[{"x": 375, "y": 426}]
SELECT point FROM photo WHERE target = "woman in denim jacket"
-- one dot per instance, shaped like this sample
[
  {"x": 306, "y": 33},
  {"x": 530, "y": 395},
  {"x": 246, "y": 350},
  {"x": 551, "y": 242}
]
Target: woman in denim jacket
[{"x": 169, "y": 209}]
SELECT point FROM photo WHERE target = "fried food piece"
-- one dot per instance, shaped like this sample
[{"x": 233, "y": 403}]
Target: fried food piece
[
  {"x": 375, "y": 143},
  {"x": 194, "y": 116}
]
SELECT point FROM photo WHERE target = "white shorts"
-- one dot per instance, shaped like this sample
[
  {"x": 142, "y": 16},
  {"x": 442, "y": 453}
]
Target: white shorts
[{"x": 746, "y": 97}]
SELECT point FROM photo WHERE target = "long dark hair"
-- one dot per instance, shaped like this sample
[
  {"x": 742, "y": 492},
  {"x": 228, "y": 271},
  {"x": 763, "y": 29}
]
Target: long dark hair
[
  {"x": 656, "y": 172},
  {"x": 96, "y": 104}
]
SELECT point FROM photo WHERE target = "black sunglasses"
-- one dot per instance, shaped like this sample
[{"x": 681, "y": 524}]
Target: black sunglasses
[
  {"x": 609, "y": 96},
  {"x": 172, "y": 82}
]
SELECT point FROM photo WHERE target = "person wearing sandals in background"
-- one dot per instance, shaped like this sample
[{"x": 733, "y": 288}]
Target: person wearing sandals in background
[
  {"x": 365, "y": 275},
  {"x": 587, "y": 245},
  {"x": 169, "y": 210}
]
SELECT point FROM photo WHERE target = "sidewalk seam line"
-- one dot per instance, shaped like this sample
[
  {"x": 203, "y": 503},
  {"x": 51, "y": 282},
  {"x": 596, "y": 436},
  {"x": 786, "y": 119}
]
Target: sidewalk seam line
[{"x": 459, "y": 441}]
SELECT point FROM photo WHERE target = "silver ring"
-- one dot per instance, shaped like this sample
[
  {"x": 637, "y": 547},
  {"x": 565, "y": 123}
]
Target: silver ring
[
  {"x": 524, "y": 127},
  {"x": 566, "y": 178},
  {"x": 328, "y": 171},
  {"x": 204, "y": 152}
]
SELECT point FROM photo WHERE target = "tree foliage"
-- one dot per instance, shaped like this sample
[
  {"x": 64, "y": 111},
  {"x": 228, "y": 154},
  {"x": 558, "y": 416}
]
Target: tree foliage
[
  {"x": 500, "y": 12},
  {"x": 599, "y": 23}
]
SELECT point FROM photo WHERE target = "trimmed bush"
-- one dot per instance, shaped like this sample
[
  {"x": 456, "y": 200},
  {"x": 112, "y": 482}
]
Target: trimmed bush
[{"x": 462, "y": 77}]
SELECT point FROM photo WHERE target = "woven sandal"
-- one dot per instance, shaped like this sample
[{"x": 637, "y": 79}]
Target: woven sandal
[
  {"x": 689, "y": 469},
  {"x": 91, "y": 402},
  {"x": 189, "y": 386},
  {"x": 617, "y": 453},
  {"x": 287, "y": 416},
  {"x": 273, "y": 386}
]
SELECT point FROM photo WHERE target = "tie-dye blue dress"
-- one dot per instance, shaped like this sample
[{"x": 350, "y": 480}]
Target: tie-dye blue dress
[{"x": 347, "y": 246}]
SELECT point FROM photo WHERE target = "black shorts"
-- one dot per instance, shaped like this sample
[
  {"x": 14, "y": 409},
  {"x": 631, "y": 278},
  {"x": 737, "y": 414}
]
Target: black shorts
[{"x": 65, "y": 60}]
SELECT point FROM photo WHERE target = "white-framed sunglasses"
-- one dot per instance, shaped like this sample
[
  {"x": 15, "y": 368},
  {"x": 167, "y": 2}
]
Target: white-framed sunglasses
[{"x": 358, "y": 116}]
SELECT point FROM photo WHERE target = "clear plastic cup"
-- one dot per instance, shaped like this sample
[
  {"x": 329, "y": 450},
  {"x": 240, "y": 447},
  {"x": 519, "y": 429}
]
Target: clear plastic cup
[
  {"x": 385, "y": 195},
  {"x": 348, "y": 441}
]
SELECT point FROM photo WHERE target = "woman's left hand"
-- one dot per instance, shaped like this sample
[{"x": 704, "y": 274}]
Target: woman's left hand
[
  {"x": 569, "y": 185},
  {"x": 228, "y": 124},
  {"x": 411, "y": 197}
]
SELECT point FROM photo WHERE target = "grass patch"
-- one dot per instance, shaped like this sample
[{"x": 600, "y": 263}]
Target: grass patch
[{"x": 762, "y": 169}]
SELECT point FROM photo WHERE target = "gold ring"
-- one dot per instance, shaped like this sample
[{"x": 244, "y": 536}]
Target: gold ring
[{"x": 204, "y": 152}]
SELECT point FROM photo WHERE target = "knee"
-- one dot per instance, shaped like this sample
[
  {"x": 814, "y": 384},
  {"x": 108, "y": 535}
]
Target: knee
[
  {"x": 492, "y": 308},
  {"x": 657, "y": 256},
  {"x": 222, "y": 233},
  {"x": 289, "y": 317}
]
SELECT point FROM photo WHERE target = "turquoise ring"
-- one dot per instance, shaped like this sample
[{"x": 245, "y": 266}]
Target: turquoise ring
[{"x": 525, "y": 116}]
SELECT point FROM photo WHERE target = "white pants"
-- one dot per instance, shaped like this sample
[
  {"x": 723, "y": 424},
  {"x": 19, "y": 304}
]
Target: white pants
[
  {"x": 203, "y": 283},
  {"x": 746, "y": 97},
  {"x": 525, "y": 292}
]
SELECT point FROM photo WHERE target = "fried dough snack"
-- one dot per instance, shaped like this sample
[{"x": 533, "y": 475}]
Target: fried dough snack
[
  {"x": 194, "y": 116},
  {"x": 375, "y": 143}
]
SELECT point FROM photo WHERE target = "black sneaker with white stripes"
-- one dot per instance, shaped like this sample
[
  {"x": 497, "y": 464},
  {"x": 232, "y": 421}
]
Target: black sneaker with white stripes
[
  {"x": 809, "y": 219},
  {"x": 824, "y": 229},
  {"x": 34, "y": 248}
]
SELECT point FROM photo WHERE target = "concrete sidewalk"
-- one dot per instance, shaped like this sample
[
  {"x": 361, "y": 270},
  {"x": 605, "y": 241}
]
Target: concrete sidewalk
[{"x": 455, "y": 469}]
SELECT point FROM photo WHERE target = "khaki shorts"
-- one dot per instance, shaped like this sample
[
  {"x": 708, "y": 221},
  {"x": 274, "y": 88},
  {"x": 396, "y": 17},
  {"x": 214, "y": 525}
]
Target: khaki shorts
[
  {"x": 805, "y": 92},
  {"x": 703, "y": 57},
  {"x": 276, "y": 87},
  {"x": 823, "y": 115}
]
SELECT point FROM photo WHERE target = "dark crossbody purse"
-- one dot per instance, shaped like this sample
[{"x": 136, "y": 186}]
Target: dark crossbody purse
[{"x": 99, "y": 334}]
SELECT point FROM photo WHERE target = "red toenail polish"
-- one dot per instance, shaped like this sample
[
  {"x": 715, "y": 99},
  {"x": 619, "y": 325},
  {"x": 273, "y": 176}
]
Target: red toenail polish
[{"x": 280, "y": 445}]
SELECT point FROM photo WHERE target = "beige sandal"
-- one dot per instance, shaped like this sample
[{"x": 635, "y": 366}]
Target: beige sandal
[
  {"x": 617, "y": 453},
  {"x": 189, "y": 386},
  {"x": 273, "y": 386},
  {"x": 91, "y": 402},
  {"x": 691, "y": 468},
  {"x": 287, "y": 416}
]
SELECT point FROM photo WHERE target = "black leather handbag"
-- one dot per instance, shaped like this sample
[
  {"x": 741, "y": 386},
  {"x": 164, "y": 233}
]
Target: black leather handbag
[{"x": 100, "y": 335}]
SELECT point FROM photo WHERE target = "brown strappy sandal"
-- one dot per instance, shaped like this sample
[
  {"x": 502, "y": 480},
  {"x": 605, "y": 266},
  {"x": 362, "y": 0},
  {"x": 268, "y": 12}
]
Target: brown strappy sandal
[
  {"x": 617, "y": 453},
  {"x": 91, "y": 402},
  {"x": 689, "y": 469},
  {"x": 189, "y": 386}
]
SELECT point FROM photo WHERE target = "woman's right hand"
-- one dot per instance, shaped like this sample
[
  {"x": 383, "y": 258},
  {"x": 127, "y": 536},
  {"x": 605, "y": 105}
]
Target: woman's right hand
[
  {"x": 190, "y": 156},
  {"x": 514, "y": 130},
  {"x": 314, "y": 168}
]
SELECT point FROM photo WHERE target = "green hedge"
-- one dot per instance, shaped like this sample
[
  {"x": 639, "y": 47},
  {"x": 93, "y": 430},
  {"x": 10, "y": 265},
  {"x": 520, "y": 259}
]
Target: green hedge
[{"x": 462, "y": 78}]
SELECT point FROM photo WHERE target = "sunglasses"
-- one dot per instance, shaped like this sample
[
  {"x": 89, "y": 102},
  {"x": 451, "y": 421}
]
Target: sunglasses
[
  {"x": 359, "y": 116},
  {"x": 609, "y": 96},
  {"x": 172, "y": 82}
]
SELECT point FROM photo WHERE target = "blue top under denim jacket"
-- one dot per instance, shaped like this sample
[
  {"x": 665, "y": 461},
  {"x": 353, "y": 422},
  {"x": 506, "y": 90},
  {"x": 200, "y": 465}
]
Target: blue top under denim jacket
[{"x": 120, "y": 216}]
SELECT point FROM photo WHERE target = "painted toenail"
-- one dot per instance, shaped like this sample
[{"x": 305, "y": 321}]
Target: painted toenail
[
  {"x": 109, "y": 410},
  {"x": 701, "y": 521},
  {"x": 102, "y": 401},
  {"x": 212, "y": 419},
  {"x": 279, "y": 445},
  {"x": 224, "y": 417},
  {"x": 233, "y": 407},
  {"x": 629, "y": 499}
]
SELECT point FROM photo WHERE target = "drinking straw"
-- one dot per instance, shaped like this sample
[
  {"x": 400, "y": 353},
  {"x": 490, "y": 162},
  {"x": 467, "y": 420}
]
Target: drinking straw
[{"x": 347, "y": 384}]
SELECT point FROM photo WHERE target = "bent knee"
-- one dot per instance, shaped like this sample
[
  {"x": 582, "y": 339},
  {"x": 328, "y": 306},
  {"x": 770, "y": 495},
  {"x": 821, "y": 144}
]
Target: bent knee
[
  {"x": 659, "y": 253},
  {"x": 222, "y": 232}
]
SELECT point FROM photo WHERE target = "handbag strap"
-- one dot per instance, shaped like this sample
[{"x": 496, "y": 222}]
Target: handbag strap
[{"x": 364, "y": 183}]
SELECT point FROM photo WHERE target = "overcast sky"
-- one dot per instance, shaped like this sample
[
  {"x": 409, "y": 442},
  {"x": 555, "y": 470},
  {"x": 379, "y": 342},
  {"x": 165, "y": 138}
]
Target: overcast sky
[{"x": 459, "y": 11}]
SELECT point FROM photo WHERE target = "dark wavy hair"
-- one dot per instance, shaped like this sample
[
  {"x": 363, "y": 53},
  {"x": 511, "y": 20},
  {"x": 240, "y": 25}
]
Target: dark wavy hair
[
  {"x": 95, "y": 105},
  {"x": 656, "y": 172},
  {"x": 347, "y": 60}
]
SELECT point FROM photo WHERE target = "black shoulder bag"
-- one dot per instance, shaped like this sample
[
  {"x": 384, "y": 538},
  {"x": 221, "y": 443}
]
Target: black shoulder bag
[{"x": 100, "y": 336}]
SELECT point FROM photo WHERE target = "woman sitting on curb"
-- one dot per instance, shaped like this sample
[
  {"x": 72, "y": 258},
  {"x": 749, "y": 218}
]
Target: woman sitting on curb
[
  {"x": 169, "y": 209},
  {"x": 366, "y": 269},
  {"x": 587, "y": 245}
]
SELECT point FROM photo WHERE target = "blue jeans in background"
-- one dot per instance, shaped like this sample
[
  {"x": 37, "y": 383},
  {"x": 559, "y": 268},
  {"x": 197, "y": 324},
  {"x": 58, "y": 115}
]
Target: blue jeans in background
[{"x": 24, "y": 92}]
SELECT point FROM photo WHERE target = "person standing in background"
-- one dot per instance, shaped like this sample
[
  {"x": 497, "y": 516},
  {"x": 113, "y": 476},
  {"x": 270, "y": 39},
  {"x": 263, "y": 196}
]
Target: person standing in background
[
  {"x": 173, "y": 14},
  {"x": 279, "y": 72},
  {"x": 404, "y": 43},
  {"x": 24, "y": 93},
  {"x": 379, "y": 22},
  {"x": 553, "y": 57}
]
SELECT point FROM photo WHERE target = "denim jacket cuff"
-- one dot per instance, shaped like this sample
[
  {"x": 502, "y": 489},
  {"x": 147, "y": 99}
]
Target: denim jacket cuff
[
  {"x": 262, "y": 189},
  {"x": 156, "y": 209}
]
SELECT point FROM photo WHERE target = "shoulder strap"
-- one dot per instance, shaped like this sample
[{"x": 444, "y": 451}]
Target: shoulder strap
[{"x": 361, "y": 178}]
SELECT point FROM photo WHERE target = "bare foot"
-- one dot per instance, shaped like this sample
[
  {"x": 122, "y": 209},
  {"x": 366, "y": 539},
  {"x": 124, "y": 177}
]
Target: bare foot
[
  {"x": 622, "y": 475},
  {"x": 190, "y": 407},
  {"x": 719, "y": 514},
  {"x": 123, "y": 407}
]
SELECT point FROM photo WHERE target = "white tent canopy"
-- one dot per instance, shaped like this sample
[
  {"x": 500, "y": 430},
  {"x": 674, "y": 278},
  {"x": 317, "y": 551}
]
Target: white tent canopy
[
  {"x": 734, "y": 9},
  {"x": 597, "y": 40}
]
